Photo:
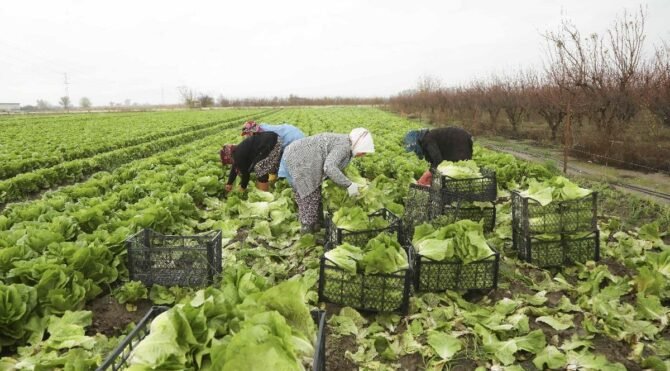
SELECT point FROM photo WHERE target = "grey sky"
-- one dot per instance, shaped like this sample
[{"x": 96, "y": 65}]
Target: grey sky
[{"x": 143, "y": 50}]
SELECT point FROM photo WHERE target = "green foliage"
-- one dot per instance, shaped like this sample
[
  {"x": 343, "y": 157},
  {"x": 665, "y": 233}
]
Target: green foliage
[{"x": 130, "y": 292}]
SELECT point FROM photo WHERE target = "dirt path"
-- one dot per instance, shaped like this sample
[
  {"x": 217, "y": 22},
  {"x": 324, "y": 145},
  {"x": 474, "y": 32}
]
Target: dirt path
[{"x": 653, "y": 186}]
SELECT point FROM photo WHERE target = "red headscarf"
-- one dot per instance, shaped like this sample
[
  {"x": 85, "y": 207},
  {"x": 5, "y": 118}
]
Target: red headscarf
[
  {"x": 250, "y": 128},
  {"x": 226, "y": 154}
]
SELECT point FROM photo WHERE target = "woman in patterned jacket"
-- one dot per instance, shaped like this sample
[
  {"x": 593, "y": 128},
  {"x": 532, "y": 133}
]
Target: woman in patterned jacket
[
  {"x": 260, "y": 153},
  {"x": 310, "y": 160}
]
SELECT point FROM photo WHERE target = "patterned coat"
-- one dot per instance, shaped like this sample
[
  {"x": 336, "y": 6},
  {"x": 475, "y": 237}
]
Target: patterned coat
[{"x": 309, "y": 159}]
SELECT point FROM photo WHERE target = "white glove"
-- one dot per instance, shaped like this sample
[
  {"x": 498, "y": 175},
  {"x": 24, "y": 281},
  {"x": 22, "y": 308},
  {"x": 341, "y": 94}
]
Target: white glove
[{"x": 353, "y": 189}]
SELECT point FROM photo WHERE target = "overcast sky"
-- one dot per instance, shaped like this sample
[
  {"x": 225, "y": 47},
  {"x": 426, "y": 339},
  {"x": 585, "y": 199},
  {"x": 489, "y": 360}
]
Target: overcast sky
[{"x": 142, "y": 50}]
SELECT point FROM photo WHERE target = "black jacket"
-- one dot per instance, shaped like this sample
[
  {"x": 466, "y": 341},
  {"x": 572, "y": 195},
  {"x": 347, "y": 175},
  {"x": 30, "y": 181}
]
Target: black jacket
[
  {"x": 450, "y": 143},
  {"x": 248, "y": 153}
]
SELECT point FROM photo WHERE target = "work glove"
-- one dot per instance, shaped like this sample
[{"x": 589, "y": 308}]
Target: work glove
[
  {"x": 272, "y": 177},
  {"x": 353, "y": 189}
]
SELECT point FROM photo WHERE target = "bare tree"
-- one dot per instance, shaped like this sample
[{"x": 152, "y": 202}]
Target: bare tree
[
  {"x": 222, "y": 101},
  {"x": 43, "y": 105},
  {"x": 604, "y": 70},
  {"x": 657, "y": 85},
  {"x": 85, "y": 103},
  {"x": 205, "y": 100},
  {"x": 187, "y": 96},
  {"x": 549, "y": 102},
  {"x": 65, "y": 102},
  {"x": 513, "y": 97}
]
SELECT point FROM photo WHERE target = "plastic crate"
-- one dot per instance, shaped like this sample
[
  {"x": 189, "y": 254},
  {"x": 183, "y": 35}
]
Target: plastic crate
[
  {"x": 531, "y": 218},
  {"x": 484, "y": 188},
  {"x": 366, "y": 292},
  {"x": 485, "y": 214},
  {"x": 424, "y": 204},
  {"x": 155, "y": 258},
  {"x": 432, "y": 275},
  {"x": 117, "y": 360},
  {"x": 337, "y": 236},
  {"x": 558, "y": 253}
]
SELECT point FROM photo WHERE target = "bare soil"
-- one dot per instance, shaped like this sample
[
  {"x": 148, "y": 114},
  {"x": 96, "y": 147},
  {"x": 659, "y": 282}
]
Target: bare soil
[
  {"x": 336, "y": 347},
  {"x": 617, "y": 268},
  {"x": 412, "y": 362},
  {"x": 111, "y": 318},
  {"x": 615, "y": 351}
]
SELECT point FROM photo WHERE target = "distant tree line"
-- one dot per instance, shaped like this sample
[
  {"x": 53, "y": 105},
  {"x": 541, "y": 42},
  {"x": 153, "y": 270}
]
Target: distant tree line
[{"x": 192, "y": 99}]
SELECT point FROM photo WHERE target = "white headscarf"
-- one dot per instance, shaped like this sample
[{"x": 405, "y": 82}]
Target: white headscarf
[{"x": 361, "y": 141}]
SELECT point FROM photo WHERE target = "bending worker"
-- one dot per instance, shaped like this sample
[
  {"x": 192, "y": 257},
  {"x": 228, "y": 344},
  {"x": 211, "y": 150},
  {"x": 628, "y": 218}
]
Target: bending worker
[
  {"x": 260, "y": 153},
  {"x": 437, "y": 145},
  {"x": 310, "y": 160},
  {"x": 287, "y": 133}
]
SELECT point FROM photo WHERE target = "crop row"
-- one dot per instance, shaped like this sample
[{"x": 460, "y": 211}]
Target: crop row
[
  {"x": 68, "y": 247},
  {"x": 22, "y": 186},
  {"x": 67, "y": 139}
]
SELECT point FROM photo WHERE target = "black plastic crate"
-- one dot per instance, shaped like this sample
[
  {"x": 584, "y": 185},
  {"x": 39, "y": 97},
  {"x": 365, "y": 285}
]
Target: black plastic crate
[
  {"x": 486, "y": 214},
  {"x": 484, "y": 188},
  {"x": 557, "y": 253},
  {"x": 424, "y": 204},
  {"x": 337, "y": 236},
  {"x": 167, "y": 260},
  {"x": 319, "y": 362},
  {"x": 432, "y": 275},
  {"x": 531, "y": 218},
  {"x": 117, "y": 360},
  {"x": 366, "y": 292}
]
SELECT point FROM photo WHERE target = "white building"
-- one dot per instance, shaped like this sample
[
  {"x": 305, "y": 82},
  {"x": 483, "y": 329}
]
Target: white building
[{"x": 10, "y": 107}]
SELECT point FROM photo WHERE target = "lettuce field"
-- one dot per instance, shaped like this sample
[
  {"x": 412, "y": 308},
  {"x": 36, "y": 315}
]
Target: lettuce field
[{"x": 73, "y": 188}]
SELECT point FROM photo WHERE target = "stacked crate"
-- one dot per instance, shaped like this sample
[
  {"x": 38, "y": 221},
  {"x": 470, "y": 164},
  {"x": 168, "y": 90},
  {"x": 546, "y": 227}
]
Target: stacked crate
[
  {"x": 558, "y": 234},
  {"x": 378, "y": 292},
  {"x": 441, "y": 204}
]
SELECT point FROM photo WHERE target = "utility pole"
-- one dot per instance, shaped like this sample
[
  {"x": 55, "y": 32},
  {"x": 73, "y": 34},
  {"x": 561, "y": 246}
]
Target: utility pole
[
  {"x": 67, "y": 90},
  {"x": 567, "y": 136}
]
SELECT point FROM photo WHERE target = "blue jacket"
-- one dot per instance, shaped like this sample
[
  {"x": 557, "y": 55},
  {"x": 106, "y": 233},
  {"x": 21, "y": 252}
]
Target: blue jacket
[{"x": 287, "y": 133}]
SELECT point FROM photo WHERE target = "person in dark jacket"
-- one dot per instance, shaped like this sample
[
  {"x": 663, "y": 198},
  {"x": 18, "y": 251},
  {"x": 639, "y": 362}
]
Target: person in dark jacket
[
  {"x": 437, "y": 145},
  {"x": 260, "y": 153}
]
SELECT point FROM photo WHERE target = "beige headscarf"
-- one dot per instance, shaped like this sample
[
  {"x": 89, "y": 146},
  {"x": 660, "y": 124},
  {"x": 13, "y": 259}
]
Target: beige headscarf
[{"x": 361, "y": 141}]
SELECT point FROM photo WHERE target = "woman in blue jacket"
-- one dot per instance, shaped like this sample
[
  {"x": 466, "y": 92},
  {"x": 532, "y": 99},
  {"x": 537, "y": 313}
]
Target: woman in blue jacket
[{"x": 287, "y": 133}]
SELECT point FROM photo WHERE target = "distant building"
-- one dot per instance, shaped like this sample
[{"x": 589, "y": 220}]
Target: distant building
[{"x": 10, "y": 107}]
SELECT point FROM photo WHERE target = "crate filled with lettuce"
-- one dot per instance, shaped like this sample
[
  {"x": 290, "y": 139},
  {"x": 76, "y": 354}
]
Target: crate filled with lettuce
[
  {"x": 423, "y": 204},
  {"x": 453, "y": 256},
  {"x": 247, "y": 323},
  {"x": 355, "y": 226},
  {"x": 170, "y": 260},
  {"x": 554, "y": 223},
  {"x": 375, "y": 277},
  {"x": 465, "y": 181}
]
